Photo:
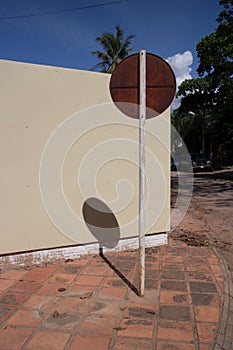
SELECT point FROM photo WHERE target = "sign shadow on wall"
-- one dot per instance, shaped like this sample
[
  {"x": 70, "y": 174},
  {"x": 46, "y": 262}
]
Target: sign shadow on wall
[{"x": 103, "y": 225}]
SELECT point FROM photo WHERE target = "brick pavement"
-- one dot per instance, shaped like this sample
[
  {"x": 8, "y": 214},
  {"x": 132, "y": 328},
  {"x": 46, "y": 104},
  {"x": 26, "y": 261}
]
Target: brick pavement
[{"x": 92, "y": 303}]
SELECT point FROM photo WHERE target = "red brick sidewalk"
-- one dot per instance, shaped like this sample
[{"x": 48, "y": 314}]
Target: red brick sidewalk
[{"x": 91, "y": 303}]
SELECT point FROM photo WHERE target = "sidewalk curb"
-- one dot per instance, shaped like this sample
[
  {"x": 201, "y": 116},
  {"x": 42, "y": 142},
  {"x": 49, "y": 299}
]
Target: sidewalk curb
[
  {"x": 224, "y": 335},
  {"x": 224, "y": 332}
]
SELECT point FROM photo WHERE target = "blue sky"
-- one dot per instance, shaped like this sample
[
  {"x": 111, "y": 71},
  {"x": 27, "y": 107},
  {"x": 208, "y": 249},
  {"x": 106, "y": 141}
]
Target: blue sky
[{"x": 167, "y": 28}]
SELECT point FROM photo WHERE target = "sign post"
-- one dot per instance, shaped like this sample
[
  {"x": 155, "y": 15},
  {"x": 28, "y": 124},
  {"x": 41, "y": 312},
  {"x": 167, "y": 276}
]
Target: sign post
[
  {"x": 142, "y": 172},
  {"x": 142, "y": 86}
]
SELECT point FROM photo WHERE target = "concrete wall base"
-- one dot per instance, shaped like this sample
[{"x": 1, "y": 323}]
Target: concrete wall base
[{"x": 52, "y": 255}]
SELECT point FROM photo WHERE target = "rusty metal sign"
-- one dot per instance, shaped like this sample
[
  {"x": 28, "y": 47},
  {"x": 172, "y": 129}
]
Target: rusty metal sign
[{"x": 160, "y": 85}]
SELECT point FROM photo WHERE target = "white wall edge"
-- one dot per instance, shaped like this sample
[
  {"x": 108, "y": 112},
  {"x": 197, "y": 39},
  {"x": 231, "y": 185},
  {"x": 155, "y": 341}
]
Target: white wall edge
[{"x": 53, "y": 255}]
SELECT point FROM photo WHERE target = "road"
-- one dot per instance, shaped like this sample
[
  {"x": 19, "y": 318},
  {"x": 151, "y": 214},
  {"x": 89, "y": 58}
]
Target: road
[{"x": 212, "y": 203}]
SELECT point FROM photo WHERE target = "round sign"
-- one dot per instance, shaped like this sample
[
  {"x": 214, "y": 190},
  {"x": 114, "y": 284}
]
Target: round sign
[{"x": 160, "y": 85}]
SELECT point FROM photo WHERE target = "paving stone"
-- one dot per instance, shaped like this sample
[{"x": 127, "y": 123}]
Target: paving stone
[
  {"x": 79, "y": 262},
  {"x": 173, "y": 297},
  {"x": 205, "y": 299},
  {"x": 44, "y": 340},
  {"x": 50, "y": 268},
  {"x": 177, "y": 331},
  {"x": 175, "y": 313},
  {"x": 132, "y": 344},
  {"x": 202, "y": 287},
  {"x": 126, "y": 256},
  {"x": 86, "y": 342},
  {"x": 124, "y": 274},
  {"x": 199, "y": 266},
  {"x": 13, "y": 298},
  {"x": 71, "y": 269},
  {"x": 106, "y": 307},
  {"x": 40, "y": 302},
  {"x": 12, "y": 274},
  {"x": 125, "y": 262},
  {"x": 5, "y": 312},
  {"x": 173, "y": 259},
  {"x": 197, "y": 251},
  {"x": 200, "y": 276},
  {"x": 219, "y": 278},
  {"x": 123, "y": 265},
  {"x": 80, "y": 289},
  {"x": 142, "y": 311},
  {"x": 151, "y": 259},
  {"x": 213, "y": 261},
  {"x": 175, "y": 346},
  {"x": 198, "y": 260},
  {"x": 150, "y": 297},
  {"x": 72, "y": 305},
  {"x": 173, "y": 285},
  {"x": 6, "y": 283},
  {"x": 206, "y": 332},
  {"x": 113, "y": 292},
  {"x": 176, "y": 275},
  {"x": 205, "y": 346},
  {"x": 96, "y": 270},
  {"x": 25, "y": 286},
  {"x": 171, "y": 266},
  {"x": 97, "y": 261},
  {"x": 149, "y": 283},
  {"x": 180, "y": 250},
  {"x": 216, "y": 269},
  {"x": 220, "y": 283},
  {"x": 89, "y": 280},
  {"x": 13, "y": 338},
  {"x": 36, "y": 275},
  {"x": 98, "y": 325},
  {"x": 149, "y": 267},
  {"x": 181, "y": 298},
  {"x": 151, "y": 273},
  {"x": 114, "y": 282},
  {"x": 136, "y": 328},
  {"x": 61, "y": 278},
  {"x": 26, "y": 318},
  {"x": 206, "y": 314},
  {"x": 62, "y": 321},
  {"x": 52, "y": 288}
]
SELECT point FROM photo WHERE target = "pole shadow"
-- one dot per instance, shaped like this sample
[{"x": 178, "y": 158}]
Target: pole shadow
[{"x": 119, "y": 274}]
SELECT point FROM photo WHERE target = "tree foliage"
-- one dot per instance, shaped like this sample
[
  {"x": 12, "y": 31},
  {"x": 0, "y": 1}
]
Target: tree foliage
[
  {"x": 215, "y": 51},
  {"x": 116, "y": 47},
  {"x": 212, "y": 93}
]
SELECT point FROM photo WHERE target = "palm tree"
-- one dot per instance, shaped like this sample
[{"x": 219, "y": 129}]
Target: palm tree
[{"x": 116, "y": 47}]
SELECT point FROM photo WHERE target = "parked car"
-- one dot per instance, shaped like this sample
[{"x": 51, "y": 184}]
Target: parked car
[
  {"x": 199, "y": 163},
  {"x": 173, "y": 165},
  {"x": 181, "y": 163}
]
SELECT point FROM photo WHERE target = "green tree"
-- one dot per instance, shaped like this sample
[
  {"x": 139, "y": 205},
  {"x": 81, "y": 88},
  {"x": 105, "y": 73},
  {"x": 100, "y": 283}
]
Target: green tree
[
  {"x": 116, "y": 47},
  {"x": 196, "y": 111},
  {"x": 210, "y": 96},
  {"x": 215, "y": 51}
]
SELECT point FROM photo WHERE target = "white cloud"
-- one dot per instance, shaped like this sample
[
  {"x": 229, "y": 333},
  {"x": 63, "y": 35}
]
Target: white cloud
[{"x": 180, "y": 64}]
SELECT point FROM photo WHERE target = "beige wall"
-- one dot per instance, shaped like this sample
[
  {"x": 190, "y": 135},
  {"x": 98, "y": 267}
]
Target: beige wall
[{"x": 62, "y": 142}]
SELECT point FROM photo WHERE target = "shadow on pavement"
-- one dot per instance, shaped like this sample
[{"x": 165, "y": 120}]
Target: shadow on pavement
[{"x": 119, "y": 274}]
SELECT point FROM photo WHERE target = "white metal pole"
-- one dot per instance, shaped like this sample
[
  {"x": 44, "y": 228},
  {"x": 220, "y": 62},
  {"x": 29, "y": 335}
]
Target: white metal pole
[{"x": 142, "y": 174}]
